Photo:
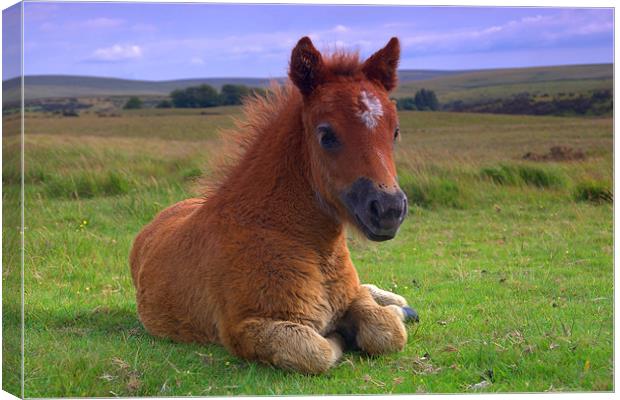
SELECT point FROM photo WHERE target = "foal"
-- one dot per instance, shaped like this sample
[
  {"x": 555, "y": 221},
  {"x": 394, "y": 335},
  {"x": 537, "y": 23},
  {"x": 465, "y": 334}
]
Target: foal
[{"x": 261, "y": 265}]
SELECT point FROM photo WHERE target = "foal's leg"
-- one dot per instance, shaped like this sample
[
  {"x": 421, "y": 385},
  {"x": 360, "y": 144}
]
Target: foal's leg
[
  {"x": 377, "y": 329},
  {"x": 385, "y": 298},
  {"x": 285, "y": 344}
]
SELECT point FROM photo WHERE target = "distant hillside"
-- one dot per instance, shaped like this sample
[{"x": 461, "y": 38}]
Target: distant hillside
[
  {"x": 449, "y": 85},
  {"x": 500, "y": 83},
  {"x": 46, "y": 86}
]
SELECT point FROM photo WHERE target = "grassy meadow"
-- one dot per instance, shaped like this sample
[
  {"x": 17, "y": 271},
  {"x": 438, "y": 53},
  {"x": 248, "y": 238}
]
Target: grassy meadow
[{"x": 508, "y": 262}]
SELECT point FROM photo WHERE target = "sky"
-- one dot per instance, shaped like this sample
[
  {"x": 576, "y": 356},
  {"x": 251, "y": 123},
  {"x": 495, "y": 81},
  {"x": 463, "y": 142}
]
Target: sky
[{"x": 174, "y": 41}]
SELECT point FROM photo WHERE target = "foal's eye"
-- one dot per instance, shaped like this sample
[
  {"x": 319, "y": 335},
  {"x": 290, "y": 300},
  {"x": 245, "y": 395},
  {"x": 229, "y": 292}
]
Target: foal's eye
[
  {"x": 396, "y": 133},
  {"x": 327, "y": 137}
]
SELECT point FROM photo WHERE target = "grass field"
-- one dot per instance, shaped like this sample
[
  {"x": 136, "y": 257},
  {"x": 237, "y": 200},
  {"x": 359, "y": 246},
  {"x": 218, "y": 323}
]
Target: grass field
[{"x": 509, "y": 263}]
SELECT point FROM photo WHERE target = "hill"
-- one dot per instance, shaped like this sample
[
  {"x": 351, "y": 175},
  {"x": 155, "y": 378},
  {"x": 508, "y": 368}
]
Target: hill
[
  {"x": 48, "y": 86},
  {"x": 449, "y": 85},
  {"x": 500, "y": 83}
]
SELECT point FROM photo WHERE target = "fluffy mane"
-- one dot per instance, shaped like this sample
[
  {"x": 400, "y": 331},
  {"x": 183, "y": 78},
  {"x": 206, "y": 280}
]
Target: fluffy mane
[
  {"x": 261, "y": 111},
  {"x": 258, "y": 112},
  {"x": 343, "y": 63}
]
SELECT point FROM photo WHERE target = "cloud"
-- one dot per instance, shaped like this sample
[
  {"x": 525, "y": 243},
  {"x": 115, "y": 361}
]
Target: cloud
[
  {"x": 254, "y": 44},
  {"x": 117, "y": 53},
  {"x": 261, "y": 44},
  {"x": 99, "y": 23},
  {"x": 537, "y": 30},
  {"x": 559, "y": 30},
  {"x": 144, "y": 28}
]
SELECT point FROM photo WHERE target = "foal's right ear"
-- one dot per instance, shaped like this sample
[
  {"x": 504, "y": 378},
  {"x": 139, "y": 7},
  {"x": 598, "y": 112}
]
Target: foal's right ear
[
  {"x": 382, "y": 65},
  {"x": 306, "y": 68}
]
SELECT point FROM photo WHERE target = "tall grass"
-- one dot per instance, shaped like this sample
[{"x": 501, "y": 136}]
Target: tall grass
[
  {"x": 539, "y": 177},
  {"x": 431, "y": 191},
  {"x": 593, "y": 191},
  {"x": 86, "y": 185}
]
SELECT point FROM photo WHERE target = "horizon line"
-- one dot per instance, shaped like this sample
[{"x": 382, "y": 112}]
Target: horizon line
[{"x": 281, "y": 77}]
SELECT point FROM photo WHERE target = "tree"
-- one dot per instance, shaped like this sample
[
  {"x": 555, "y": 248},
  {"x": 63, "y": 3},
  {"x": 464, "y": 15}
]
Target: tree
[
  {"x": 233, "y": 94},
  {"x": 206, "y": 96},
  {"x": 432, "y": 101},
  {"x": 179, "y": 98},
  {"x": 426, "y": 100},
  {"x": 133, "y": 103},
  {"x": 195, "y": 96},
  {"x": 406, "y": 103}
]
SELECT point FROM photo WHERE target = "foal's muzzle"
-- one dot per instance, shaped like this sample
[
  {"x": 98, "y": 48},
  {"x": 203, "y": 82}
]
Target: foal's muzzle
[{"x": 378, "y": 213}]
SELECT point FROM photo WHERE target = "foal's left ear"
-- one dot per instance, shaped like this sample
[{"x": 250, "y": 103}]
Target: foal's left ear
[
  {"x": 306, "y": 69},
  {"x": 382, "y": 65}
]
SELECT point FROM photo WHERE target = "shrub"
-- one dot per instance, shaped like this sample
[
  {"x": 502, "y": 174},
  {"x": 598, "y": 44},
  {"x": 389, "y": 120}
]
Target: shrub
[
  {"x": 598, "y": 102},
  {"x": 406, "y": 103},
  {"x": 426, "y": 100},
  {"x": 432, "y": 193},
  {"x": 502, "y": 175},
  {"x": 594, "y": 192},
  {"x": 195, "y": 96},
  {"x": 233, "y": 94},
  {"x": 133, "y": 103},
  {"x": 522, "y": 174},
  {"x": 86, "y": 186},
  {"x": 539, "y": 177}
]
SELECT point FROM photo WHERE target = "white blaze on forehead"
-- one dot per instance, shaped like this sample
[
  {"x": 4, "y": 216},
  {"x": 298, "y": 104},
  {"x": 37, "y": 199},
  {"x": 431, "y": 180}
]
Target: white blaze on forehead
[{"x": 370, "y": 109}]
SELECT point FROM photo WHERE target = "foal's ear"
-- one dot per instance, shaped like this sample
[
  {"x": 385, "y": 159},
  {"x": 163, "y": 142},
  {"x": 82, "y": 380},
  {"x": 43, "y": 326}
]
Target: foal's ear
[
  {"x": 382, "y": 65},
  {"x": 306, "y": 69}
]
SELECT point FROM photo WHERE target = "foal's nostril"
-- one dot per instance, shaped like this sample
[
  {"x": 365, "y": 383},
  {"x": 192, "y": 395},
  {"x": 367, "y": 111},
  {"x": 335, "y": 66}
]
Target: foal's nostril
[{"x": 375, "y": 208}]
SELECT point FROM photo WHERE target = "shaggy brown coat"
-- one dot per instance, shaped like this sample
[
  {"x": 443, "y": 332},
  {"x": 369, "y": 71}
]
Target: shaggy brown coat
[{"x": 261, "y": 264}]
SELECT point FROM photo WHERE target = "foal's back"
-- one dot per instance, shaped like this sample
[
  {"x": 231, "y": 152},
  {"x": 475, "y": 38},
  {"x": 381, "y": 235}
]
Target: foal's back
[
  {"x": 166, "y": 220},
  {"x": 158, "y": 267}
]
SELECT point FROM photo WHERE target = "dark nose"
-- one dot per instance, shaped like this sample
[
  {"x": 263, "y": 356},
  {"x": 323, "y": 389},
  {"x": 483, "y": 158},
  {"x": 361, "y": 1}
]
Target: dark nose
[
  {"x": 386, "y": 210},
  {"x": 377, "y": 210}
]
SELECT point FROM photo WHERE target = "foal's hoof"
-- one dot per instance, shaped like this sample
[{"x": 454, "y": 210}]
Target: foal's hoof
[{"x": 411, "y": 314}]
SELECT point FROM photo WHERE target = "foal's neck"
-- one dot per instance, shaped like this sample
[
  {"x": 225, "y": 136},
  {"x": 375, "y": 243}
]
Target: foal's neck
[{"x": 270, "y": 186}]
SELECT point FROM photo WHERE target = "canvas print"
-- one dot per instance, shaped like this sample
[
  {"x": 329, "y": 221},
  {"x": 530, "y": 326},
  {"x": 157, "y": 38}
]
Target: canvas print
[{"x": 229, "y": 199}]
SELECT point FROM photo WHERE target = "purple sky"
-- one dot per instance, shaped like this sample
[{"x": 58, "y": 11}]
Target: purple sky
[{"x": 171, "y": 41}]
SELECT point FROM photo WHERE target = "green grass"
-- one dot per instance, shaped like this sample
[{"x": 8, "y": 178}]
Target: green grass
[
  {"x": 431, "y": 193},
  {"x": 513, "y": 276},
  {"x": 593, "y": 191},
  {"x": 523, "y": 174}
]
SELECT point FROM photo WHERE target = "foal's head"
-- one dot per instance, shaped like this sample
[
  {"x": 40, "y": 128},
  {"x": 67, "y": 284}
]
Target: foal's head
[{"x": 350, "y": 126}]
